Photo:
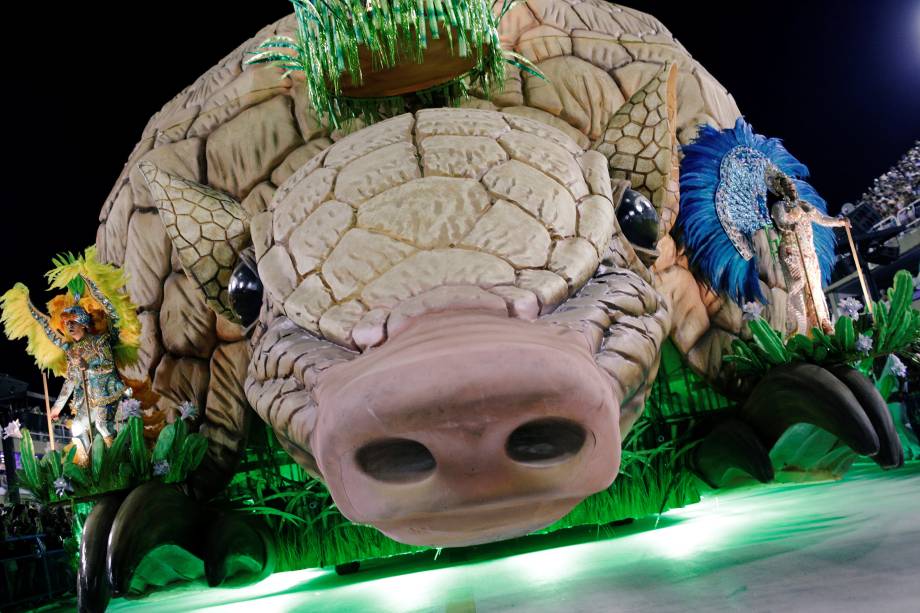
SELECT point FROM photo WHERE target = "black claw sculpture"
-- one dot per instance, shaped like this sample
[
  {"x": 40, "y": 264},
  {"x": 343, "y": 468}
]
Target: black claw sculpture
[
  {"x": 732, "y": 444},
  {"x": 239, "y": 550},
  {"x": 841, "y": 401},
  {"x": 93, "y": 591},
  {"x": 890, "y": 454},
  {"x": 805, "y": 393},
  {"x": 120, "y": 531},
  {"x": 154, "y": 514}
]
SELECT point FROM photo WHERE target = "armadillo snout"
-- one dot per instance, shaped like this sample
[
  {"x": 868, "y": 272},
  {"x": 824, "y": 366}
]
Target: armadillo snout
[
  {"x": 465, "y": 428},
  {"x": 540, "y": 443}
]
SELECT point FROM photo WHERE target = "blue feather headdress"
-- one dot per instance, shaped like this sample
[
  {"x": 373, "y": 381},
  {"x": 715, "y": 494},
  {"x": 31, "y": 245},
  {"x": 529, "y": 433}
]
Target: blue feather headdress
[{"x": 723, "y": 202}]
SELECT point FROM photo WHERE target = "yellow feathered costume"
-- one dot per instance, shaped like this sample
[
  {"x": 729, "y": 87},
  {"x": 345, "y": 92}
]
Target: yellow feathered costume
[{"x": 22, "y": 320}]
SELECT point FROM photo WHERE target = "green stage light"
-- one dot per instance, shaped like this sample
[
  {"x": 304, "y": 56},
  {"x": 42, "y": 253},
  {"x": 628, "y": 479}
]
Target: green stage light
[{"x": 749, "y": 542}]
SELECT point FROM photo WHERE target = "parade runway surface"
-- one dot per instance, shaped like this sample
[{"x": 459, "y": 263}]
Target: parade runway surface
[{"x": 852, "y": 545}]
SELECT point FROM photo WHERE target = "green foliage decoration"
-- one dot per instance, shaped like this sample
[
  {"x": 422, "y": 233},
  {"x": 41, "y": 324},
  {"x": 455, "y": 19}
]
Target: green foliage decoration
[
  {"x": 330, "y": 33},
  {"x": 124, "y": 464},
  {"x": 894, "y": 327},
  {"x": 312, "y": 532}
]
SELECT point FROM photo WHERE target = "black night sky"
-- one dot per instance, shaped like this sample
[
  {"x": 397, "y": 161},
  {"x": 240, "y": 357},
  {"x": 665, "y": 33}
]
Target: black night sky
[{"x": 838, "y": 81}]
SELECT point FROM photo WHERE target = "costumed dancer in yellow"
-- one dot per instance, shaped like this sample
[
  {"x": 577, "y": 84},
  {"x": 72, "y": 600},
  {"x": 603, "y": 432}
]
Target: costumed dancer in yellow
[{"x": 90, "y": 331}]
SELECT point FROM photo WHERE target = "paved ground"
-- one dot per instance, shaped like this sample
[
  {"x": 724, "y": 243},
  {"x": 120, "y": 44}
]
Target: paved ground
[{"x": 847, "y": 546}]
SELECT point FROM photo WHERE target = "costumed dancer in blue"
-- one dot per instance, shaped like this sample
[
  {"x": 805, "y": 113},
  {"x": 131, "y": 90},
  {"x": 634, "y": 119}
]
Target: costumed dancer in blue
[{"x": 728, "y": 179}]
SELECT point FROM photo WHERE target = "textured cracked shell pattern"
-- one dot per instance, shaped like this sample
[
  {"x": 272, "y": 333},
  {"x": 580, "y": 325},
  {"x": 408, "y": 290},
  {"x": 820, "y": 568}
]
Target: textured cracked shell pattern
[{"x": 442, "y": 197}]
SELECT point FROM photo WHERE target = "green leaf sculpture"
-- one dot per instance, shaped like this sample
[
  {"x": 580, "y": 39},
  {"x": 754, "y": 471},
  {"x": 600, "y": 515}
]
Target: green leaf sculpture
[
  {"x": 893, "y": 328},
  {"x": 126, "y": 463},
  {"x": 845, "y": 335}
]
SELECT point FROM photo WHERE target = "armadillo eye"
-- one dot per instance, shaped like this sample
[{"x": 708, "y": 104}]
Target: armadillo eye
[
  {"x": 245, "y": 289},
  {"x": 638, "y": 219}
]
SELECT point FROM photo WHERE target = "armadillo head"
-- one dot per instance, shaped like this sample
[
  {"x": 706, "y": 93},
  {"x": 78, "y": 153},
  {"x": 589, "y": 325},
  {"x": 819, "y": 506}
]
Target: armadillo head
[{"x": 454, "y": 333}]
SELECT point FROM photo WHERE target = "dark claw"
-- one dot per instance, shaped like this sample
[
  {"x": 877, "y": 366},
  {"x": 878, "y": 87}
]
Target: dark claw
[
  {"x": 840, "y": 401},
  {"x": 93, "y": 591},
  {"x": 239, "y": 550},
  {"x": 890, "y": 454},
  {"x": 731, "y": 444},
  {"x": 154, "y": 514},
  {"x": 805, "y": 393}
]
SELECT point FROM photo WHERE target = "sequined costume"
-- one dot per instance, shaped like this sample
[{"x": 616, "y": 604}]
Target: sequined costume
[
  {"x": 90, "y": 332},
  {"x": 90, "y": 359},
  {"x": 806, "y": 305},
  {"x": 727, "y": 181}
]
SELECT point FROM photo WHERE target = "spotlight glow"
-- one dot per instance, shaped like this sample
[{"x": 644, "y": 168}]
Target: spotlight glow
[
  {"x": 691, "y": 537},
  {"x": 549, "y": 565},
  {"x": 407, "y": 592}
]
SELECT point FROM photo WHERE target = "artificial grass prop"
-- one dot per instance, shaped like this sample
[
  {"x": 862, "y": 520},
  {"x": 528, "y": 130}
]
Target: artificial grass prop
[
  {"x": 678, "y": 392},
  {"x": 652, "y": 479},
  {"x": 856, "y": 340},
  {"x": 312, "y": 533},
  {"x": 359, "y": 37},
  {"x": 125, "y": 464}
]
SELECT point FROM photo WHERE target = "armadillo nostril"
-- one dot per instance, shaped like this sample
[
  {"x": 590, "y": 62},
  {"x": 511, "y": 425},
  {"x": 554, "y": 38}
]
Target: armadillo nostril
[
  {"x": 396, "y": 460},
  {"x": 545, "y": 441}
]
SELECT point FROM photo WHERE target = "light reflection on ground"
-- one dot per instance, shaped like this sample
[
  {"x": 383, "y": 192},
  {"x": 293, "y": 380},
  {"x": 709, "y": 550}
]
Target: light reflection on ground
[{"x": 844, "y": 546}]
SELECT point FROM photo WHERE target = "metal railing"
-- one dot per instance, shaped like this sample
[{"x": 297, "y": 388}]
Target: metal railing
[{"x": 18, "y": 567}]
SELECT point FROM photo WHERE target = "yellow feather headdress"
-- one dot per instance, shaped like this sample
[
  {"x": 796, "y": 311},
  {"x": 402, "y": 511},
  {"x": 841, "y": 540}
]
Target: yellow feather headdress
[
  {"x": 18, "y": 323},
  {"x": 17, "y": 311}
]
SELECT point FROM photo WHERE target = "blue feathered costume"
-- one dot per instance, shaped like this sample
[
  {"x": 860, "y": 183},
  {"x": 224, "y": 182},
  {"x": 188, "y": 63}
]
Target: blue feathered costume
[{"x": 724, "y": 185}]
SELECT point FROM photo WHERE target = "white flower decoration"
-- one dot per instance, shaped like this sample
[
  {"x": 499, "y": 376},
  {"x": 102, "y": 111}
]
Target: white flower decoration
[{"x": 12, "y": 430}]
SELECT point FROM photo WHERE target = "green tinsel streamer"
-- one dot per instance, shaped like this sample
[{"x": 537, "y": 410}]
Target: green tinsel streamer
[{"x": 330, "y": 32}]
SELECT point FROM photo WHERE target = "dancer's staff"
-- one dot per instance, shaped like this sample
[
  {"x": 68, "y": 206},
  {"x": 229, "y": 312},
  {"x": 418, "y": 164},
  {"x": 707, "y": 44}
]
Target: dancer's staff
[
  {"x": 89, "y": 411},
  {"x": 859, "y": 272},
  {"x": 48, "y": 410},
  {"x": 811, "y": 293}
]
